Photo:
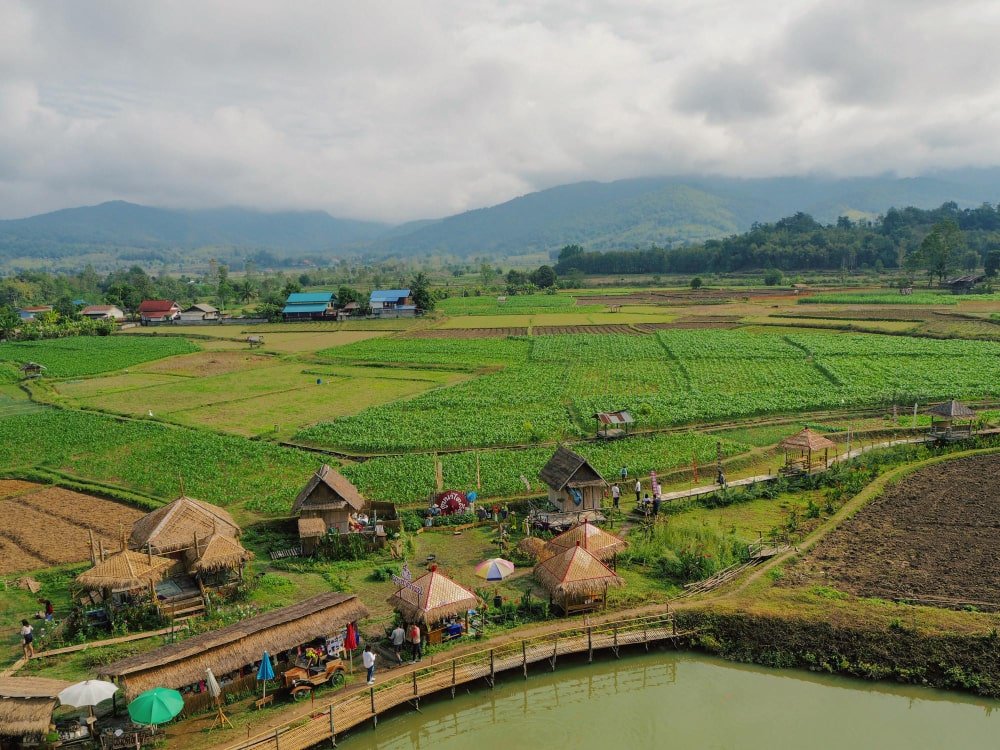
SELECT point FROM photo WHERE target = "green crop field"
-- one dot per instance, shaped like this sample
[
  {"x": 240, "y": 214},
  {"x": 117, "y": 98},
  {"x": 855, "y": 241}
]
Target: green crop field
[
  {"x": 893, "y": 298},
  {"x": 88, "y": 355},
  {"x": 513, "y": 305}
]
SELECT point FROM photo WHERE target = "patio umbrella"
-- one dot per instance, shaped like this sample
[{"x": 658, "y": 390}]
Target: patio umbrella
[
  {"x": 351, "y": 643},
  {"x": 156, "y": 706},
  {"x": 216, "y": 692},
  {"x": 265, "y": 672},
  {"x": 87, "y": 693},
  {"x": 494, "y": 569}
]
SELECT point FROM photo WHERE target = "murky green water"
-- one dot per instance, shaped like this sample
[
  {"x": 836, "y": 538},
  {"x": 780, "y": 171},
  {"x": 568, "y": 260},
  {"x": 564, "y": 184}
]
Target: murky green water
[{"x": 666, "y": 700}]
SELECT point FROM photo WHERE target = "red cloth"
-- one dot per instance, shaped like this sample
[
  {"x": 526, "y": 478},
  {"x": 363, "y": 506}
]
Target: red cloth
[{"x": 351, "y": 639}]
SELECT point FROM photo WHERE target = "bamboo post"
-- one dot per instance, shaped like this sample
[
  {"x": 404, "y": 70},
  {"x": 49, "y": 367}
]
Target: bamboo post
[
  {"x": 93, "y": 554},
  {"x": 333, "y": 729},
  {"x": 414, "y": 673},
  {"x": 492, "y": 670},
  {"x": 524, "y": 658},
  {"x": 453, "y": 678},
  {"x": 371, "y": 692},
  {"x": 277, "y": 744},
  {"x": 590, "y": 645}
]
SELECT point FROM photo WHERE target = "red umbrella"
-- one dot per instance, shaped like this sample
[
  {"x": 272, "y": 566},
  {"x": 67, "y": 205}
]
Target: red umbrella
[{"x": 351, "y": 639}]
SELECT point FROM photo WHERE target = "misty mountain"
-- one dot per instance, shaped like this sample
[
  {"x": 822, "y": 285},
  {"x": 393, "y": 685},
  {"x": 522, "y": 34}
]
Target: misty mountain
[{"x": 598, "y": 215}]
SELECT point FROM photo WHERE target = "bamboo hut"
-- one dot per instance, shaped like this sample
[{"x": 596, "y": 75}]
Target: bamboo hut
[
  {"x": 326, "y": 503},
  {"x": 222, "y": 553},
  {"x": 951, "y": 420},
  {"x": 124, "y": 571},
  {"x": 575, "y": 488},
  {"x": 600, "y": 543},
  {"x": 531, "y": 546},
  {"x": 799, "y": 449},
  {"x": 26, "y": 706},
  {"x": 233, "y": 650},
  {"x": 172, "y": 529},
  {"x": 432, "y": 598},
  {"x": 576, "y": 580}
]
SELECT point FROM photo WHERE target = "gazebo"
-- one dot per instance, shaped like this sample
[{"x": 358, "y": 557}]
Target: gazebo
[
  {"x": 26, "y": 705},
  {"x": 431, "y": 598},
  {"x": 126, "y": 571},
  {"x": 799, "y": 449},
  {"x": 600, "y": 543},
  {"x": 222, "y": 553},
  {"x": 576, "y": 580},
  {"x": 951, "y": 420},
  {"x": 613, "y": 424}
]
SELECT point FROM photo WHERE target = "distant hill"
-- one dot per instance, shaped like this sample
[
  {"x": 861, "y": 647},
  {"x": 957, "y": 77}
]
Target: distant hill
[{"x": 598, "y": 215}]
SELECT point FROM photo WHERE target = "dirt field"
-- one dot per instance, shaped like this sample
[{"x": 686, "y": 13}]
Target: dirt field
[
  {"x": 933, "y": 535},
  {"x": 49, "y": 525}
]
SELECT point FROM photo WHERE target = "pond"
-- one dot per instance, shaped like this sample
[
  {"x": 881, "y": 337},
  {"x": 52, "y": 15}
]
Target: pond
[{"x": 666, "y": 699}]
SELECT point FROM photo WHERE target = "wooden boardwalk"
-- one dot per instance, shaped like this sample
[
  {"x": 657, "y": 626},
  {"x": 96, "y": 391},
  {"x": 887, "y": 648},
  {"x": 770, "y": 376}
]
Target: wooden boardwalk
[{"x": 340, "y": 714}]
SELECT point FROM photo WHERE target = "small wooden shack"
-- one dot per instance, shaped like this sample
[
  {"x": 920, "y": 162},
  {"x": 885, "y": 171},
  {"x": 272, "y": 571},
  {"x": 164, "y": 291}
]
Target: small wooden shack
[
  {"x": 799, "y": 450},
  {"x": 326, "y": 504},
  {"x": 124, "y": 572},
  {"x": 951, "y": 421},
  {"x": 600, "y": 543},
  {"x": 576, "y": 580},
  {"x": 430, "y": 599},
  {"x": 614, "y": 424},
  {"x": 574, "y": 485},
  {"x": 26, "y": 706},
  {"x": 234, "y": 651},
  {"x": 32, "y": 370}
]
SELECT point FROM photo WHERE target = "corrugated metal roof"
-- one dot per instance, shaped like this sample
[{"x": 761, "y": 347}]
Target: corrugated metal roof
[
  {"x": 389, "y": 295},
  {"x": 306, "y": 298},
  {"x": 614, "y": 417},
  {"x": 298, "y": 308}
]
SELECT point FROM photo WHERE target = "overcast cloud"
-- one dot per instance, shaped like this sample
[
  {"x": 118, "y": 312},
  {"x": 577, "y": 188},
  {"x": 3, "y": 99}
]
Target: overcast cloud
[{"x": 396, "y": 111}]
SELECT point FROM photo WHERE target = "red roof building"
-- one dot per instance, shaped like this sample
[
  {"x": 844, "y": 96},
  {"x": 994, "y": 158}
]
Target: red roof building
[{"x": 158, "y": 310}]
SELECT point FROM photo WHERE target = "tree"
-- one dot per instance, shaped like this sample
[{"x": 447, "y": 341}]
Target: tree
[
  {"x": 486, "y": 274},
  {"x": 939, "y": 249},
  {"x": 246, "y": 290},
  {"x": 773, "y": 277},
  {"x": 9, "y": 321},
  {"x": 543, "y": 277},
  {"x": 970, "y": 260},
  {"x": 992, "y": 263},
  {"x": 696, "y": 282},
  {"x": 421, "y": 293}
]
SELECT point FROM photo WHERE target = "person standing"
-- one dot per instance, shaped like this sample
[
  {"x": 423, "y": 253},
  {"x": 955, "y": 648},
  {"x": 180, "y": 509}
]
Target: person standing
[
  {"x": 414, "y": 638},
  {"x": 638, "y": 491},
  {"x": 368, "y": 659},
  {"x": 397, "y": 637},
  {"x": 616, "y": 495},
  {"x": 27, "y": 639},
  {"x": 656, "y": 505},
  {"x": 623, "y": 473},
  {"x": 50, "y": 612}
]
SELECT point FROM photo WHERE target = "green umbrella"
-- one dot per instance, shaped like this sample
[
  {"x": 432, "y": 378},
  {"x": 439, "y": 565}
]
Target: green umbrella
[{"x": 156, "y": 706}]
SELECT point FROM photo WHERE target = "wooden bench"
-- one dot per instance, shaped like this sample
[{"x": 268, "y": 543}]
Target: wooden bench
[{"x": 267, "y": 700}]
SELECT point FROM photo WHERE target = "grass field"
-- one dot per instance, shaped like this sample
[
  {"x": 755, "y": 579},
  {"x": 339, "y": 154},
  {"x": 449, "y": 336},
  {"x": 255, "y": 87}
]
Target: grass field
[{"x": 88, "y": 355}]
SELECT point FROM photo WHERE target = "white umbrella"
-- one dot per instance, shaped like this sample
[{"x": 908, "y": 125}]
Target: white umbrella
[
  {"x": 87, "y": 693},
  {"x": 216, "y": 692},
  {"x": 213, "y": 684}
]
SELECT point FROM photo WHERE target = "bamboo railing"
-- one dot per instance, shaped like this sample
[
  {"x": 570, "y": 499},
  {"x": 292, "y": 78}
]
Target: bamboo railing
[{"x": 325, "y": 721}]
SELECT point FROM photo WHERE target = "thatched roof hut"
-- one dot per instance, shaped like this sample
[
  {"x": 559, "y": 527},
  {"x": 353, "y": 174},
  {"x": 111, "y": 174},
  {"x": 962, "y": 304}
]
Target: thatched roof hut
[
  {"x": 575, "y": 575},
  {"x": 431, "y": 598},
  {"x": 236, "y": 646},
  {"x": 125, "y": 570},
  {"x": 531, "y": 546},
  {"x": 328, "y": 489},
  {"x": 26, "y": 705},
  {"x": 220, "y": 552},
  {"x": 173, "y": 527},
  {"x": 952, "y": 410},
  {"x": 567, "y": 468},
  {"x": 807, "y": 439},
  {"x": 600, "y": 543}
]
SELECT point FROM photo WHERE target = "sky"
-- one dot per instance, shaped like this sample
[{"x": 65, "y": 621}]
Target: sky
[{"x": 393, "y": 111}]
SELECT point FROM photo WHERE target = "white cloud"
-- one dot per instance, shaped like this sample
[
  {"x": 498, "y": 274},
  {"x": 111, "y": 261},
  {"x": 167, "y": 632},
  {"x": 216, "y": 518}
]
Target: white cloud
[{"x": 400, "y": 110}]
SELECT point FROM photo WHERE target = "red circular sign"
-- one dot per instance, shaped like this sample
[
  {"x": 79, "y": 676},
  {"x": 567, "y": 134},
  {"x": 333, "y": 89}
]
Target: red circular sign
[{"x": 451, "y": 502}]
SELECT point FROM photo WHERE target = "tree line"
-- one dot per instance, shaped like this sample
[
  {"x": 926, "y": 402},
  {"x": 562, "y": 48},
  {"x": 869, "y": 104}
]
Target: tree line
[{"x": 935, "y": 241}]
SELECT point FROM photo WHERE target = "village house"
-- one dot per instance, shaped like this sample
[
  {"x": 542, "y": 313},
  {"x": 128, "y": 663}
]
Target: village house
[
  {"x": 29, "y": 313},
  {"x": 965, "y": 284},
  {"x": 392, "y": 303},
  {"x": 310, "y": 306},
  {"x": 158, "y": 311},
  {"x": 575, "y": 489},
  {"x": 103, "y": 312},
  {"x": 199, "y": 312}
]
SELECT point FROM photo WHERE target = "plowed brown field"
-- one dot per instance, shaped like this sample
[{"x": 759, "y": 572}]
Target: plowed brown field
[
  {"x": 44, "y": 526},
  {"x": 931, "y": 537}
]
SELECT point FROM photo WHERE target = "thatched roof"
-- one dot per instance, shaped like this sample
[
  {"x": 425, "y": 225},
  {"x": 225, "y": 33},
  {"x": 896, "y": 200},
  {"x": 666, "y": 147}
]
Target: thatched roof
[
  {"x": 217, "y": 553},
  {"x": 26, "y": 704},
  {"x": 531, "y": 546},
  {"x": 238, "y": 645},
  {"x": 311, "y": 527},
  {"x": 952, "y": 410},
  {"x": 576, "y": 572},
  {"x": 328, "y": 489},
  {"x": 808, "y": 440},
  {"x": 172, "y": 527},
  {"x": 568, "y": 468},
  {"x": 600, "y": 543},
  {"x": 433, "y": 597},
  {"x": 125, "y": 570}
]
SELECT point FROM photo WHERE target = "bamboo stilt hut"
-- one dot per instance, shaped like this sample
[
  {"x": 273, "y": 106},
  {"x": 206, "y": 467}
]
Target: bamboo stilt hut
[
  {"x": 431, "y": 598},
  {"x": 125, "y": 570},
  {"x": 576, "y": 580}
]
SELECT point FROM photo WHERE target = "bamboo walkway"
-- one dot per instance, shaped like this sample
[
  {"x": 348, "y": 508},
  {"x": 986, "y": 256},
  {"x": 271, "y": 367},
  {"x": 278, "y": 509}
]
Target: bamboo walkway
[{"x": 327, "y": 720}]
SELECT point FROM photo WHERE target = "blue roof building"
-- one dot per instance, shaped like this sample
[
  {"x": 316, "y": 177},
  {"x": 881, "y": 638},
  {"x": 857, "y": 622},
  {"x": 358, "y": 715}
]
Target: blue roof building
[
  {"x": 392, "y": 302},
  {"x": 309, "y": 305}
]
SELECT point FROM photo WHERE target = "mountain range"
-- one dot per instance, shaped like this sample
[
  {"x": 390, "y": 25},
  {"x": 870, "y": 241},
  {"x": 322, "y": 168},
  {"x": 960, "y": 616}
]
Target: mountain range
[{"x": 598, "y": 215}]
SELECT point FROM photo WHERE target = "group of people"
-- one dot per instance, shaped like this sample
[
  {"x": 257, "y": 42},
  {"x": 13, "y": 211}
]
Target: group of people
[
  {"x": 644, "y": 503},
  {"x": 399, "y": 638}
]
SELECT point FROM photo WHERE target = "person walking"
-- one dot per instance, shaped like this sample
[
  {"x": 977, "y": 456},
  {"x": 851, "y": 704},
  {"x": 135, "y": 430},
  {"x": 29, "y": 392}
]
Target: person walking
[
  {"x": 368, "y": 659},
  {"x": 616, "y": 495},
  {"x": 414, "y": 639},
  {"x": 397, "y": 637},
  {"x": 27, "y": 639},
  {"x": 638, "y": 491}
]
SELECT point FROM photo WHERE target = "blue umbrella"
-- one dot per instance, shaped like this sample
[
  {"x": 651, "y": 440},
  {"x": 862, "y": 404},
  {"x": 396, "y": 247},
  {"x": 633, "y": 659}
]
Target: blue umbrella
[{"x": 266, "y": 671}]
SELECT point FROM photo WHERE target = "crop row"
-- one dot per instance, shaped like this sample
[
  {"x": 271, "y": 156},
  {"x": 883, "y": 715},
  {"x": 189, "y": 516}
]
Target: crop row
[{"x": 88, "y": 355}]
